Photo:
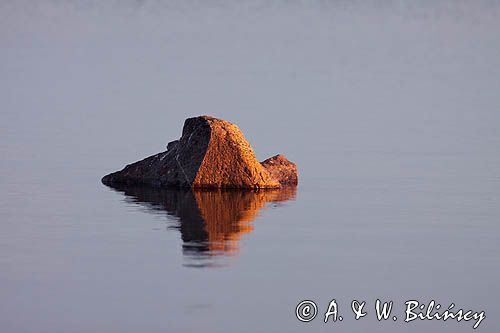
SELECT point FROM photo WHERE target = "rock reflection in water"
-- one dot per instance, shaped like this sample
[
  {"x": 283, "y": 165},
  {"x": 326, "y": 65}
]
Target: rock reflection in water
[{"x": 211, "y": 222}]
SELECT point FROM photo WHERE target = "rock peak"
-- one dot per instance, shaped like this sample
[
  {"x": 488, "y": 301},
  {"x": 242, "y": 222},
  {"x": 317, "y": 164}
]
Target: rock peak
[
  {"x": 211, "y": 153},
  {"x": 282, "y": 169}
]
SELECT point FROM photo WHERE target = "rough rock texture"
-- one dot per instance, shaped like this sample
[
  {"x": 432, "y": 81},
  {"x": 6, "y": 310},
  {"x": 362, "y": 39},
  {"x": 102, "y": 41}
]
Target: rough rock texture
[
  {"x": 211, "y": 153},
  {"x": 282, "y": 169}
]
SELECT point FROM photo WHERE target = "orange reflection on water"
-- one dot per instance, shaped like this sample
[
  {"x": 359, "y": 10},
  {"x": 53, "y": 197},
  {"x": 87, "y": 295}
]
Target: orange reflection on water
[
  {"x": 228, "y": 214},
  {"x": 211, "y": 222}
]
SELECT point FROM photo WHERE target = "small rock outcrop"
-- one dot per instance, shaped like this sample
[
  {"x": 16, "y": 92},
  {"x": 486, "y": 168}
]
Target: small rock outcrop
[
  {"x": 211, "y": 153},
  {"x": 282, "y": 169}
]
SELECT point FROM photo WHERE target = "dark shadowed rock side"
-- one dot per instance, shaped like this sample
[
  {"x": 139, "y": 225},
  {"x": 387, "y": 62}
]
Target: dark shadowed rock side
[{"x": 211, "y": 153}]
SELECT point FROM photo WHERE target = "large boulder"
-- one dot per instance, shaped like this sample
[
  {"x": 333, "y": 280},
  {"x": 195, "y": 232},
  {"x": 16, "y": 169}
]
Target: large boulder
[{"x": 211, "y": 153}]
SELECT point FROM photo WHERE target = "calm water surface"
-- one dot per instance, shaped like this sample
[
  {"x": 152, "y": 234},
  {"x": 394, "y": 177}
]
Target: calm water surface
[{"x": 391, "y": 112}]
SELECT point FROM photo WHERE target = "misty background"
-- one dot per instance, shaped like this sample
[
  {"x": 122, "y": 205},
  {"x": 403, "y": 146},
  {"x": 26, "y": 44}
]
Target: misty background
[{"x": 390, "y": 109}]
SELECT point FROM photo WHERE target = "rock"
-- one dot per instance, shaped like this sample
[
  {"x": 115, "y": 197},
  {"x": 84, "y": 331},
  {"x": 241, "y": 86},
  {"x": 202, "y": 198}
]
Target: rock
[
  {"x": 211, "y": 153},
  {"x": 282, "y": 169},
  {"x": 172, "y": 145}
]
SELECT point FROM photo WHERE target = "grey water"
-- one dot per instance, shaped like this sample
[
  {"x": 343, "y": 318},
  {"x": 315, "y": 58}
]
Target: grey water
[{"x": 390, "y": 109}]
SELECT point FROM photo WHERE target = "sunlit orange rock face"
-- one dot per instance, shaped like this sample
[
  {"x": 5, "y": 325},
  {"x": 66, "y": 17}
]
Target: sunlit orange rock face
[
  {"x": 282, "y": 169},
  {"x": 211, "y": 222},
  {"x": 211, "y": 153}
]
